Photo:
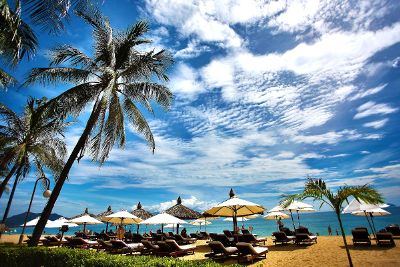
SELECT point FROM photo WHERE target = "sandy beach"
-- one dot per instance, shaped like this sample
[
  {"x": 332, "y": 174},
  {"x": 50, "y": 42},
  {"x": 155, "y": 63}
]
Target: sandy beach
[{"x": 329, "y": 251}]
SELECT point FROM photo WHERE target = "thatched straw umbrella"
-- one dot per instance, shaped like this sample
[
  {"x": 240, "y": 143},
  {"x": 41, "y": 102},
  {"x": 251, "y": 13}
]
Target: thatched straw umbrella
[
  {"x": 182, "y": 212},
  {"x": 141, "y": 213},
  {"x": 86, "y": 212},
  {"x": 101, "y": 216}
]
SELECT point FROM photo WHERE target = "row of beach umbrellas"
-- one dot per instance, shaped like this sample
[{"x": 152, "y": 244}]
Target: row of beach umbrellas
[{"x": 234, "y": 208}]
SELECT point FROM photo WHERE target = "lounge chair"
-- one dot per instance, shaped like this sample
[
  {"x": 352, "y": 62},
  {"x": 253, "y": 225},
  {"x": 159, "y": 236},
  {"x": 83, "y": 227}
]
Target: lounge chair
[
  {"x": 281, "y": 237},
  {"x": 149, "y": 248},
  {"x": 196, "y": 235},
  {"x": 249, "y": 238},
  {"x": 245, "y": 232},
  {"x": 121, "y": 246},
  {"x": 226, "y": 241},
  {"x": 394, "y": 229},
  {"x": 53, "y": 241},
  {"x": 305, "y": 239},
  {"x": 79, "y": 242},
  {"x": 166, "y": 250},
  {"x": 213, "y": 236},
  {"x": 183, "y": 240},
  {"x": 184, "y": 249},
  {"x": 385, "y": 239},
  {"x": 361, "y": 237},
  {"x": 82, "y": 235},
  {"x": 219, "y": 251},
  {"x": 287, "y": 231},
  {"x": 205, "y": 235},
  {"x": 105, "y": 246},
  {"x": 228, "y": 233},
  {"x": 303, "y": 230},
  {"x": 249, "y": 253}
]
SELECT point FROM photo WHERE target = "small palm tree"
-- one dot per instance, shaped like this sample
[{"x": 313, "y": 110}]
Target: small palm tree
[
  {"x": 115, "y": 80},
  {"x": 317, "y": 190},
  {"x": 32, "y": 138}
]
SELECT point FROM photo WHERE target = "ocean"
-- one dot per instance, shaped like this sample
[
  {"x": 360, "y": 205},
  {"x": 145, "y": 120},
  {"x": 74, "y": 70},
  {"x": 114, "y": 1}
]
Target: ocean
[{"x": 317, "y": 222}]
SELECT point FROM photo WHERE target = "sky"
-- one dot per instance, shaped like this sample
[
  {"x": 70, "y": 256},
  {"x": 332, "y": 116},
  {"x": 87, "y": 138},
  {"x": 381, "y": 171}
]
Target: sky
[{"x": 266, "y": 94}]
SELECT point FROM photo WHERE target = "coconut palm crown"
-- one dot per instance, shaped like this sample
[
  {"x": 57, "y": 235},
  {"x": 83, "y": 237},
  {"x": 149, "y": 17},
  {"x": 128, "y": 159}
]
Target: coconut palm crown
[
  {"x": 115, "y": 80},
  {"x": 316, "y": 189},
  {"x": 31, "y": 139}
]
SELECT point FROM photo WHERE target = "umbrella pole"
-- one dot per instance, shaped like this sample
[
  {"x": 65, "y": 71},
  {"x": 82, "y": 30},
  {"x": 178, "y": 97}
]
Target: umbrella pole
[
  {"x": 298, "y": 217},
  {"x": 106, "y": 227},
  {"x": 137, "y": 229},
  {"x": 291, "y": 215},
  {"x": 162, "y": 228},
  {"x": 369, "y": 223},
  {"x": 372, "y": 221},
  {"x": 84, "y": 228},
  {"x": 177, "y": 229}
]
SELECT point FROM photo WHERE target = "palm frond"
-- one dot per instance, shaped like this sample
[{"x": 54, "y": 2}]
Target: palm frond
[
  {"x": 145, "y": 91},
  {"x": 6, "y": 80},
  {"x": 55, "y": 75},
  {"x": 67, "y": 53},
  {"x": 139, "y": 122}
]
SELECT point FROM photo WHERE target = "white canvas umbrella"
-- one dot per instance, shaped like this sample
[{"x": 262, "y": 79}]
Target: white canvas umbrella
[
  {"x": 276, "y": 215},
  {"x": 163, "y": 218},
  {"x": 59, "y": 223},
  {"x": 122, "y": 217},
  {"x": 239, "y": 219},
  {"x": 277, "y": 208},
  {"x": 372, "y": 213},
  {"x": 361, "y": 206},
  {"x": 203, "y": 221},
  {"x": 298, "y": 207},
  {"x": 235, "y": 207},
  {"x": 35, "y": 221},
  {"x": 85, "y": 219}
]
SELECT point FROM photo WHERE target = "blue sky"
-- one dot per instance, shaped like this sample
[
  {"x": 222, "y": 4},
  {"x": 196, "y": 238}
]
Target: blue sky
[{"x": 266, "y": 93}]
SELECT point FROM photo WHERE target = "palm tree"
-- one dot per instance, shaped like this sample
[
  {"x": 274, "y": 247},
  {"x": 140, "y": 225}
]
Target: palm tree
[
  {"x": 33, "y": 138},
  {"x": 17, "y": 39},
  {"x": 317, "y": 190},
  {"x": 115, "y": 80}
]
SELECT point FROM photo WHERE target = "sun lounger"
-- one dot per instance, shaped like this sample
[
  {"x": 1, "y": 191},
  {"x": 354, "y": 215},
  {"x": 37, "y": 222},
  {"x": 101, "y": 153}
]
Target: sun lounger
[
  {"x": 79, "y": 242},
  {"x": 53, "y": 241},
  {"x": 226, "y": 241},
  {"x": 303, "y": 239},
  {"x": 249, "y": 238},
  {"x": 394, "y": 229},
  {"x": 228, "y": 233},
  {"x": 184, "y": 249},
  {"x": 205, "y": 235},
  {"x": 182, "y": 240},
  {"x": 196, "y": 235},
  {"x": 149, "y": 248},
  {"x": 287, "y": 231},
  {"x": 123, "y": 247},
  {"x": 281, "y": 237},
  {"x": 105, "y": 246},
  {"x": 249, "y": 253},
  {"x": 166, "y": 250},
  {"x": 385, "y": 239},
  {"x": 303, "y": 230},
  {"x": 361, "y": 237},
  {"x": 219, "y": 251},
  {"x": 214, "y": 236}
]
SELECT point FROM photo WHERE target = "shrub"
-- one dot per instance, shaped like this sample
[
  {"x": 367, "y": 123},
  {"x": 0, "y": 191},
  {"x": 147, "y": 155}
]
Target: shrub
[{"x": 47, "y": 257}]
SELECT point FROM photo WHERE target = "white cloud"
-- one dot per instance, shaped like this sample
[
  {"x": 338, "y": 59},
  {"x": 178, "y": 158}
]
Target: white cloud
[
  {"x": 371, "y": 108},
  {"x": 193, "y": 49},
  {"x": 368, "y": 92},
  {"x": 185, "y": 82},
  {"x": 376, "y": 124},
  {"x": 333, "y": 137}
]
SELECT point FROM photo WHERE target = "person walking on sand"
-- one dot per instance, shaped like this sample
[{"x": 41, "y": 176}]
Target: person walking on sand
[{"x": 329, "y": 230}]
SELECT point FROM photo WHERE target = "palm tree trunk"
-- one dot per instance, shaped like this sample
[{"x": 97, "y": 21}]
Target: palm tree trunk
[
  {"x": 7, "y": 179},
  {"x": 10, "y": 200},
  {"x": 37, "y": 232},
  {"x": 344, "y": 238}
]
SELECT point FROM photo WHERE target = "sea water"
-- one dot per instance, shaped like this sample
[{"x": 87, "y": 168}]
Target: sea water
[{"x": 317, "y": 222}]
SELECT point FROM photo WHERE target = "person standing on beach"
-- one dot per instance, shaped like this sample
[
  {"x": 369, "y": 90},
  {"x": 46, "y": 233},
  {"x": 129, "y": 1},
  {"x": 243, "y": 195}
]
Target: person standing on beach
[
  {"x": 280, "y": 224},
  {"x": 329, "y": 230}
]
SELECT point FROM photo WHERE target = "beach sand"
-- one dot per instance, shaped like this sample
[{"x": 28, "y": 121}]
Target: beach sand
[{"x": 329, "y": 251}]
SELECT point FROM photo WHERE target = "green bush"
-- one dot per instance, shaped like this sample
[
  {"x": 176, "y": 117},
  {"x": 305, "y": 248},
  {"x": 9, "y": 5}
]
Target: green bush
[{"x": 46, "y": 257}]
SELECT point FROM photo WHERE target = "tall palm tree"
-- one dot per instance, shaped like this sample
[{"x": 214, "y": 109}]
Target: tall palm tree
[
  {"x": 33, "y": 138},
  {"x": 115, "y": 80},
  {"x": 317, "y": 190},
  {"x": 17, "y": 39}
]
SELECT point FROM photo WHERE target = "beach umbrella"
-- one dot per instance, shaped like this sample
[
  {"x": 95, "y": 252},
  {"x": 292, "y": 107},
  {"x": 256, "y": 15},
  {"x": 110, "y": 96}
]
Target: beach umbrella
[
  {"x": 163, "y": 218},
  {"x": 239, "y": 219},
  {"x": 298, "y": 207},
  {"x": 182, "y": 212},
  {"x": 101, "y": 216},
  {"x": 277, "y": 208},
  {"x": 372, "y": 213},
  {"x": 59, "y": 223},
  {"x": 235, "y": 207},
  {"x": 141, "y": 213},
  {"x": 34, "y": 222},
  {"x": 205, "y": 221},
  {"x": 276, "y": 215},
  {"x": 361, "y": 206},
  {"x": 122, "y": 217},
  {"x": 85, "y": 220}
]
